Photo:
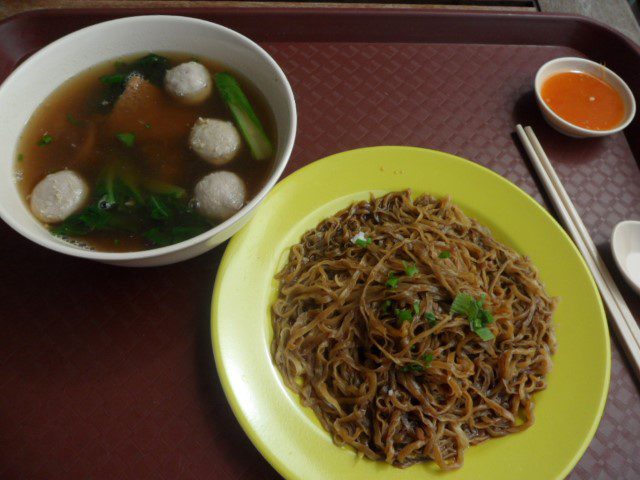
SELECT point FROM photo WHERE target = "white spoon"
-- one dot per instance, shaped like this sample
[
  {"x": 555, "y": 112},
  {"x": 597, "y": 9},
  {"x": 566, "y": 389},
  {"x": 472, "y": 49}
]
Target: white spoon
[{"x": 625, "y": 246}]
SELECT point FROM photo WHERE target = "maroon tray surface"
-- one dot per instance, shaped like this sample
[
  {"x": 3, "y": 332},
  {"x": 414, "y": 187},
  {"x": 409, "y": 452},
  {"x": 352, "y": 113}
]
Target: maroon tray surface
[{"x": 108, "y": 373}]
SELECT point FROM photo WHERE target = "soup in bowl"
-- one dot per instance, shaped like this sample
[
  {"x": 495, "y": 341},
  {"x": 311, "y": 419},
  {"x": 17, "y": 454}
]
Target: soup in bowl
[{"x": 142, "y": 141}]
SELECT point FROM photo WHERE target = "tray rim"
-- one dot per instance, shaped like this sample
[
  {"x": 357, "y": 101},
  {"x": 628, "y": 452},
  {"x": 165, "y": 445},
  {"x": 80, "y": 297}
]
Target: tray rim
[
  {"x": 241, "y": 11},
  {"x": 329, "y": 10}
]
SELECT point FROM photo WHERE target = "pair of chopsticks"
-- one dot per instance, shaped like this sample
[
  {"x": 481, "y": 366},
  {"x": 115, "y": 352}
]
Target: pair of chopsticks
[{"x": 623, "y": 322}]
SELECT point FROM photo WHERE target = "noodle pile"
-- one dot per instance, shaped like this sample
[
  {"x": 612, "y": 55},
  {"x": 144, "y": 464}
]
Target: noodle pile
[{"x": 385, "y": 364}]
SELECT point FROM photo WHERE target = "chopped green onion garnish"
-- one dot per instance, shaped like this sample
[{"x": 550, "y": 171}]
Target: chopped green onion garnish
[
  {"x": 484, "y": 333},
  {"x": 416, "y": 307},
  {"x": 20, "y": 157},
  {"x": 464, "y": 304},
  {"x": 444, "y": 254},
  {"x": 147, "y": 125},
  {"x": 393, "y": 281},
  {"x": 127, "y": 139},
  {"x": 403, "y": 315},
  {"x": 410, "y": 268},
  {"x": 116, "y": 241},
  {"x": 479, "y": 318},
  {"x": 427, "y": 359},
  {"x": 364, "y": 243},
  {"x": 45, "y": 140},
  {"x": 431, "y": 318}
]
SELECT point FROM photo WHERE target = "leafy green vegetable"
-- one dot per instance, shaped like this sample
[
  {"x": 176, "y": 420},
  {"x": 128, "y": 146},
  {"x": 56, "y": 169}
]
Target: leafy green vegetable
[
  {"x": 431, "y": 318},
  {"x": 159, "y": 210},
  {"x": 416, "y": 307},
  {"x": 247, "y": 121},
  {"x": 115, "y": 79},
  {"x": 409, "y": 268},
  {"x": 45, "y": 140},
  {"x": 91, "y": 219},
  {"x": 168, "y": 236},
  {"x": 404, "y": 315},
  {"x": 444, "y": 254},
  {"x": 127, "y": 139},
  {"x": 464, "y": 304},
  {"x": 364, "y": 243},
  {"x": 130, "y": 184},
  {"x": 120, "y": 205},
  {"x": 156, "y": 186},
  {"x": 152, "y": 67},
  {"x": 158, "y": 236},
  {"x": 393, "y": 281},
  {"x": 107, "y": 187}
]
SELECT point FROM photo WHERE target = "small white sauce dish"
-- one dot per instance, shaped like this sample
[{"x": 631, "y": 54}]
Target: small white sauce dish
[
  {"x": 625, "y": 246},
  {"x": 575, "y": 64},
  {"x": 25, "y": 89}
]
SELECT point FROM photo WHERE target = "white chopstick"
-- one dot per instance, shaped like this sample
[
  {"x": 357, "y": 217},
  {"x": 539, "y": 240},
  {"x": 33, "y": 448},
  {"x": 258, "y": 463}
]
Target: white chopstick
[{"x": 621, "y": 319}]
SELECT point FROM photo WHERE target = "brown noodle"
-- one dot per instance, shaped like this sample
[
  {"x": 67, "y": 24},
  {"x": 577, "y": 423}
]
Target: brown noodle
[{"x": 349, "y": 357}]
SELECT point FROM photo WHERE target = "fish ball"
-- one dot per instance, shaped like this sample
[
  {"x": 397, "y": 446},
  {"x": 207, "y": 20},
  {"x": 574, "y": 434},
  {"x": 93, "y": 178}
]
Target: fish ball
[
  {"x": 219, "y": 195},
  {"x": 215, "y": 141},
  {"x": 189, "y": 82},
  {"x": 58, "y": 196}
]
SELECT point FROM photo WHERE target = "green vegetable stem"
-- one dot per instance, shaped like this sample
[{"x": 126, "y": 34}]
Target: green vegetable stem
[{"x": 247, "y": 121}]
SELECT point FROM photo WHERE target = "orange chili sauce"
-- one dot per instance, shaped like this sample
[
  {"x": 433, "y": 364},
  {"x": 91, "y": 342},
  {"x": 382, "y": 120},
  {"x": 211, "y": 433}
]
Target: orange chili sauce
[{"x": 583, "y": 100}]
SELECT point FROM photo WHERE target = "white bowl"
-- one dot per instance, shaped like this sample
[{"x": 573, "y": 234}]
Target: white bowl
[
  {"x": 575, "y": 64},
  {"x": 25, "y": 89},
  {"x": 625, "y": 247}
]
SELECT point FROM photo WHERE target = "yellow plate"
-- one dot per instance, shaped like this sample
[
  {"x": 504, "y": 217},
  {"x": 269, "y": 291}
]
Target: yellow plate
[{"x": 288, "y": 435}]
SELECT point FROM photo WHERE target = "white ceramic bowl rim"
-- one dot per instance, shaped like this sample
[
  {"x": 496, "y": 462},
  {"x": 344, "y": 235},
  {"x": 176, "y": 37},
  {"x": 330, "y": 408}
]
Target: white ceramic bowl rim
[
  {"x": 275, "y": 174},
  {"x": 625, "y": 88},
  {"x": 618, "y": 252}
]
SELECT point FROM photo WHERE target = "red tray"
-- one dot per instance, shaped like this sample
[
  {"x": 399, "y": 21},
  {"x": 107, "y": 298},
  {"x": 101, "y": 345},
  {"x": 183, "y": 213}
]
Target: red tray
[{"x": 107, "y": 373}]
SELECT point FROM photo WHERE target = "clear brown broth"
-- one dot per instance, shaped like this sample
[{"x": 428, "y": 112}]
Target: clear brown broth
[{"x": 161, "y": 150}]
